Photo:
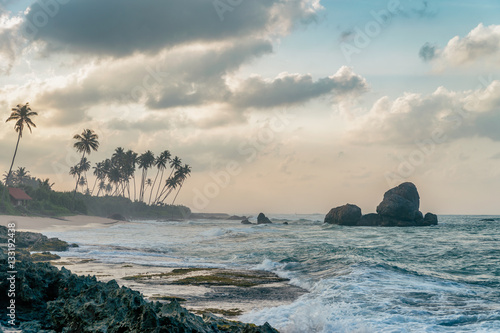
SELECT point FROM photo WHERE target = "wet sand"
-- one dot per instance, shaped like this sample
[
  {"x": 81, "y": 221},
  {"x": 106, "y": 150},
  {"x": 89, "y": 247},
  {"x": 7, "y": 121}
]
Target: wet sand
[{"x": 41, "y": 224}]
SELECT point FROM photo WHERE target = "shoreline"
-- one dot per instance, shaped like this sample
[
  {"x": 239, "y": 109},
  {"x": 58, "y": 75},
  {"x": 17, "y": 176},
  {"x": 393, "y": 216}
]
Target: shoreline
[
  {"x": 228, "y": 293},
  {"x": 41, "y": 224}
]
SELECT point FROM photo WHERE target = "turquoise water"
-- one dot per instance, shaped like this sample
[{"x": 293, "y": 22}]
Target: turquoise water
[{"x": 360, "y": 279}]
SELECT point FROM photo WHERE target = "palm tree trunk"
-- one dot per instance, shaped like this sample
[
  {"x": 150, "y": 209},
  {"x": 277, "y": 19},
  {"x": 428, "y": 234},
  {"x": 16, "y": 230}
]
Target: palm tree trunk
[
  {"x": 13, "y": 158},
  {"x": 135, "y": 191},
  {"x": 79, "y": 174},
  {"x": 93, "y": 187},
  {"x": 153, "y": 186},
  {"x": 159, "y": 185},
  {"x": 178, "y": 192}
]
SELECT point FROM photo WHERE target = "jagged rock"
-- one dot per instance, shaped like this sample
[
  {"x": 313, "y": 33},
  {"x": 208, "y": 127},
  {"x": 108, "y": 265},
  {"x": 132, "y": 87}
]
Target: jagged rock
[
  {"x": 401, "y": 202},
  {"x": 34, "y": 241},
  {"x": 344, "y": 215},
  {"x": 262, "y": 219},
  {"x": 53, "y": 300},
  {"x": 245, "y": 221},
  {"x": 370, "y": 220}
]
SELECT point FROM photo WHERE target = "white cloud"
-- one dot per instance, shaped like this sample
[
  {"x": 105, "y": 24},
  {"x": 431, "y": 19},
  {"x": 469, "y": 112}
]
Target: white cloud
[
  {"x": 481, "y": 44},
  {"x": 414, "y": 117}
]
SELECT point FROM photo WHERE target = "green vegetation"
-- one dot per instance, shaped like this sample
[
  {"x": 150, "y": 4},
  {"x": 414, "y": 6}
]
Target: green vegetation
[
  {"x": 177, "y": 271},
  {"x": 167, "y": 298},
  {"x": 226, "y": 313},
  {"x": 215, "y": 280},
  {"x": 114, "y": 178},
  {"x": 44, "y": 256}
]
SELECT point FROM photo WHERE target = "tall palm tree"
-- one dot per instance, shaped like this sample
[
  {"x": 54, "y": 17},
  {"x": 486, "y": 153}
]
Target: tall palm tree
[
  {"x": 160, "y": 163},
  {"x": 131, "y": 161},
  {"x": 22, "y": 115},
  {"x": 146, "y": 160},
  {"x": 86, "y": 142}
]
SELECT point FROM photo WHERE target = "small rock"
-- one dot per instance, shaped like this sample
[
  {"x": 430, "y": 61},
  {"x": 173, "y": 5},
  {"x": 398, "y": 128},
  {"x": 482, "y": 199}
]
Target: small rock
[
  {"x": 430, "y": 219},
  {"x": 262, "y": 219}
]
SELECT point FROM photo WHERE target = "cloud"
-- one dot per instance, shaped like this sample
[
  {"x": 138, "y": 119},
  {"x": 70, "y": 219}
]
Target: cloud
[
  {"x": 446, "y": 114},
  {"x": 189, "y": 76},
  {"x": 427, "y": 52},
  {"x": 8, "y": 41},
  {"x": 481, "y": 44},
  {"x": 290, "y": 89},
  {"x": 120, "y": 28}
]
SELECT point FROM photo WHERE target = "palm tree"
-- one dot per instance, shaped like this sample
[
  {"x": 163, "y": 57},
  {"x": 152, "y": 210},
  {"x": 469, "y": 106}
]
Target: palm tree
[
  {"x": 175, "y": 164},
  {"x": 86, "y": 142},
  {"x": 146, "y": 160},
  {"x": 184, "y": 172},
  {"x": 82, "y": 182},
  {"x": 98, "y": 173},
  {"x": 46, "y": 184},
  {"x": 102, "y": 187},
  {"x": 130, "y": 162},
  {"x": 21, "y": 175},
  {"x": 22, "y": 115},
  {"x": 170, "y": 185},
  {"x": 160, "y": 163}
]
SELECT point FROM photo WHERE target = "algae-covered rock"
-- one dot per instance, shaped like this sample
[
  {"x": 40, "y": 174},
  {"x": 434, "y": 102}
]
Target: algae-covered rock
[{"x": 53, "y": 300}]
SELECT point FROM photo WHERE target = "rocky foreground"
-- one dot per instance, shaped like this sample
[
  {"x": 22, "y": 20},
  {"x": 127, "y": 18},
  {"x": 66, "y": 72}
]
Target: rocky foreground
[{"x": 48, "y": 299}]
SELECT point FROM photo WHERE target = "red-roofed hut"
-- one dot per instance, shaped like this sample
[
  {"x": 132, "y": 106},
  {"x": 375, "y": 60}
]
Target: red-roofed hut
[{"x": 18, "y": 197}]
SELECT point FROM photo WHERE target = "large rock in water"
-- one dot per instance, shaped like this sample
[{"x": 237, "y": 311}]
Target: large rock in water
[
  {"x": 262, "y": 219},
  {"x": 400, "y": 208},
  {"x": 344, "y": 215},
  {"x": 401, "y": 202}
]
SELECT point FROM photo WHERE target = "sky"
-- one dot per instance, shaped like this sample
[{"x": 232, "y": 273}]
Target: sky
[{"x": 279, "y": 106}]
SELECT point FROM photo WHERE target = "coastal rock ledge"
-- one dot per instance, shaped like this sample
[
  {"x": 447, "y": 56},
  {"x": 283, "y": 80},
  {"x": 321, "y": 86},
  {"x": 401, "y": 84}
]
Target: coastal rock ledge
[{"x": 399, "y": 208}]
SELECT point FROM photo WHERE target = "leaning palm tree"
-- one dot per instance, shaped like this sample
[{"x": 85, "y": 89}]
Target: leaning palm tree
[
  {"x": 22, "y": 115},
  {"x": 184, "y": 172},
  {"x": 86, "y": 142}
]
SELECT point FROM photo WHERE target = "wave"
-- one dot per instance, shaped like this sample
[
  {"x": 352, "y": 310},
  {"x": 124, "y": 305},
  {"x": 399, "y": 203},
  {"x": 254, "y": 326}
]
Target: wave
[{"x": 382, "y": 298}]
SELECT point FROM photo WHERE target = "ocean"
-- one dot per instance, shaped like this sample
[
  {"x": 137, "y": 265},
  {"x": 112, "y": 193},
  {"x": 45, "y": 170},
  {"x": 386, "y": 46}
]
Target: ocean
[{"x": 444, "y": 278}]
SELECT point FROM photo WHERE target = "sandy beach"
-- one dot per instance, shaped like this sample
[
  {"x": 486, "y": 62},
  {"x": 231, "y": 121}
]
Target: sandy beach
[{"x": 40, "y": 224}]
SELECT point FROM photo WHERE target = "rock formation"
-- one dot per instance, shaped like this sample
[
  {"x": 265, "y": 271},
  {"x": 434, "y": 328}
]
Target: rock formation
[
  {"x": 262, "y": 219},
  {"x": 344, "y": 215},
  {"x": 52, "y": 300},
  {"x": 399, "y": 208}
]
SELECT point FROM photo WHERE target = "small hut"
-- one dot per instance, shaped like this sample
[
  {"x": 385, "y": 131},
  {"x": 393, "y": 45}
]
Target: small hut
[{"x": 18, "y": 197}]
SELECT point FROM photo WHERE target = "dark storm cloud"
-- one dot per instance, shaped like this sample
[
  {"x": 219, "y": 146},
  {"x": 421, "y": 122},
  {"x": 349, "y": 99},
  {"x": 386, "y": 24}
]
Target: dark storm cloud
[{"x": 122, "y": 27}]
